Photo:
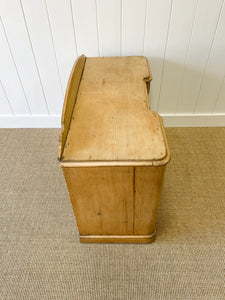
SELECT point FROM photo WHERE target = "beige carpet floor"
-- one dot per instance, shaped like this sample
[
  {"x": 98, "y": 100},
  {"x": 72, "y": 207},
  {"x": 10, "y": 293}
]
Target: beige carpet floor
[{"x": 41, "y": 257}]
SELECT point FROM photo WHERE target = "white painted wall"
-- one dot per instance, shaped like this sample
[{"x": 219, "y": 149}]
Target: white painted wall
[{"x": 183, "y": 39}]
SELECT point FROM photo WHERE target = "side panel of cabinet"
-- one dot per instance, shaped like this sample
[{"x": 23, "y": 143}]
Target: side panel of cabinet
[
  {"x": 102, "y": 199},
  {"x": 148, "y": 183}
]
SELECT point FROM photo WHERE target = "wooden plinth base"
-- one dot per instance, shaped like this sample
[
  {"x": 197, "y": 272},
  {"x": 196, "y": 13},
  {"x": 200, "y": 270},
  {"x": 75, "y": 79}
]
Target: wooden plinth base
[{"x": 118, "y": 238}]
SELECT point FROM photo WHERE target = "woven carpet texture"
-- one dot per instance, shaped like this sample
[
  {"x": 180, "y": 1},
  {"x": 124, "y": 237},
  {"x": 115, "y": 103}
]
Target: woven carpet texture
[{"x": 42, "y": 258}]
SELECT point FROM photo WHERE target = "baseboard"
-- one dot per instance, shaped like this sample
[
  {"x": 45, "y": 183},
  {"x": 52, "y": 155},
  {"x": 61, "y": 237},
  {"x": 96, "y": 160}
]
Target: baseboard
[
  {"x": 30, "y": 121},
  {"x": 190, "y": 120},
  {"x": 54, "y": 121}
]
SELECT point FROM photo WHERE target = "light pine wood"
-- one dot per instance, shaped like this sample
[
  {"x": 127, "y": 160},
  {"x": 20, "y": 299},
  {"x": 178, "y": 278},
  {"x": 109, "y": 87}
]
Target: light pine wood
[
  {"x": 92, "y": 163},
  {"x": 85, "y": 164},
  {"x": 115, "y": 204},
  {"x": 148, "y": 79},
  {"x": 70, "y": 100},
  {"x": 114, "y": 151},
  {"x": 111, "y": 118},
  {"x": 148, "y": 183},
  {"x": 117, "y": 238},
  {"x": 102, "y": 199}
]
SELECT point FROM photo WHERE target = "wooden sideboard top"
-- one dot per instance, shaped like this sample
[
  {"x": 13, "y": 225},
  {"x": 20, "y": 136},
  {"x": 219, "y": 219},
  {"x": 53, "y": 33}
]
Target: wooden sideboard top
[{"x": 106, "y": 117}]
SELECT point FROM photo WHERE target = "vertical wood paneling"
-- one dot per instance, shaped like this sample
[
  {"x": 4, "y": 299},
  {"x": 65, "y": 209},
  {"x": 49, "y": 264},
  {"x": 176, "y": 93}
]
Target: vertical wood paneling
[
  {"x": 184, "y": 41},
  {"x": 9, "y": 77},
  {"x": 23, "y": 56},
  {"x": 109, "y": 24},
  {"x": 182, "y": 18},
  {"x": 41, "y": 39},
  {"x": 198, "y": 53},
  {"x": 133, "y": 26},
  {"x": 215, "y": 70},
  {"x": 220, "y": 100},
  {"x": 60, "y": 17},
  {"x": 85, "y": 22},
  {"x": 156, "y": 30},
  {"x": 5, "y": 108}
]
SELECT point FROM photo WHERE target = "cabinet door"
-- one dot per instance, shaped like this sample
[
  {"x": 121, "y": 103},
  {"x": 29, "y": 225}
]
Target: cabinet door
[{"x": 102, "y": 199}]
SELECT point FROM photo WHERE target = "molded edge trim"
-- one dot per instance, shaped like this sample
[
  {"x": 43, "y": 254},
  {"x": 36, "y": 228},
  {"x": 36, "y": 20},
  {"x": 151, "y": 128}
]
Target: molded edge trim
[
  {"x": 98, "y": 163},
  {"x": 135, "y": 239}
]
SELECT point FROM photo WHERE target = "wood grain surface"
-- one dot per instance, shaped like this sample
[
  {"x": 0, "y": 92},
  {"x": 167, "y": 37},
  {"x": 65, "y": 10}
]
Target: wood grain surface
[
  {"x": 111, "y": 120},
  {"x": 102, "y": 199},
  {"x": 113, "y": 150},
  {"x": 148, "y": 183},
  {"x": 70, "y": 100}
]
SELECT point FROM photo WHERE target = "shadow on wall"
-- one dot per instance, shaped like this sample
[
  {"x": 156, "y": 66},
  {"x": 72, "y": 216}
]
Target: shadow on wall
[{"x": 180, "y": 89}]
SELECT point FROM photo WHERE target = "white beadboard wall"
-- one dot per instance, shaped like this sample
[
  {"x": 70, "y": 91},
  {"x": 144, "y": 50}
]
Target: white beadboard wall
[{"x": 184, "y": 41}]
